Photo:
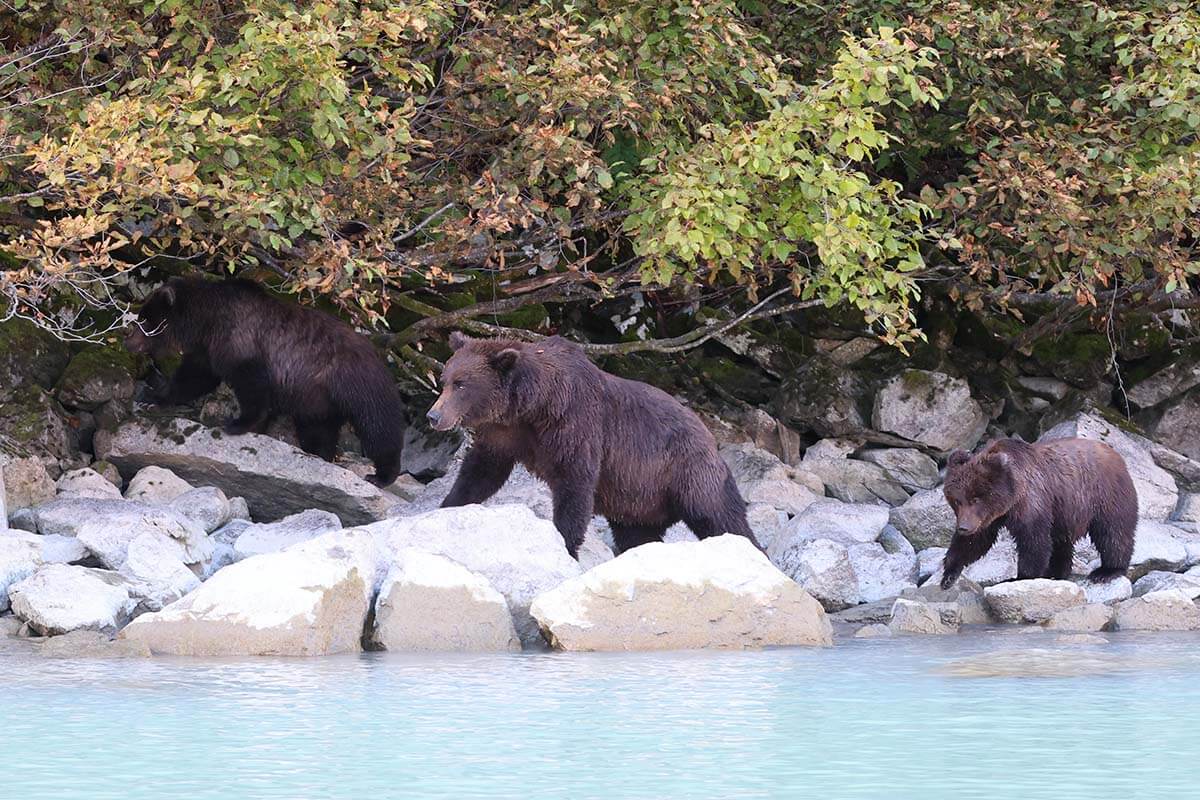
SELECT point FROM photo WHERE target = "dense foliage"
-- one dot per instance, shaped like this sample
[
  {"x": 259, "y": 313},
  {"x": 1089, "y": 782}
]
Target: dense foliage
[{"x": 428, "y": 163}]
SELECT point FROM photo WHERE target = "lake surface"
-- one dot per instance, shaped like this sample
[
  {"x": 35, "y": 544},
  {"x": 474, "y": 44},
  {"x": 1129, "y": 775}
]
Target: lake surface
[{"x": 1003, "y": 715}]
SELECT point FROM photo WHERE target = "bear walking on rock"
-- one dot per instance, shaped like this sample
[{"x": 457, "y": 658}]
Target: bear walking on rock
[
  {"x": 1048, "y": 496},
  {"x": 279, "y": 359},
  {"x": 605, "y": 445}
]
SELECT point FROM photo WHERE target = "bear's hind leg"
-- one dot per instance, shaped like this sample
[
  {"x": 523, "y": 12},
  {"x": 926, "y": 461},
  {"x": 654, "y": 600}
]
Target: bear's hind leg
[
  {"x": 1114, "y": 541},
  {"x": 713, "y": 514},
  {"x": 319, "y": 436},
  {"x": 627, "y": 537}
]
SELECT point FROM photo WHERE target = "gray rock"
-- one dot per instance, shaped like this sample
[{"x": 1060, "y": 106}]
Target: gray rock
[
  {"x": 766, "y": 521},
  {"x": 783, "y": 495},
  {"x": 930, "y": 408},
  {"x": 833, "y": 448},
  {"x": 893, "y": 542},
  {"x": 833, "y": 519},
  {"x": 275, "y": 478},
  {"x": 997, "y": 566},
  {"x": 1188, "y": 508},
  {"x": 59, "y": 598},
  {"x": 23, "y": 519},
  {"x": 925, "y": 519},
  {"x": 857, "y": 481},
  {"x": 207, "y": 507},
  {"x": 271, "y": 537},
  {"x": 879, "y": 611},
  {"x": 96, "y": 376},
  {"x": 428, "y": 454},
  {"x": 593, "y": 552},
  {"x": 748, "y": 464},
  {"x": 1046, "y": 388},
  {"x": 1188, "y": 535},
  {"x": 238, "y": 509},
  {"x": 1155, "y": 548},
  {"x": 58, "y": 549},
  {"x": 155, "y": 574},
  {"x": 841, "y": 574},
  {"x": 26, "y": 484},
  {"x": 1032, "y": 600},
  {"x": 1108, "y": 592},
  {"x": 875, "y": 630},
  {"x": 929, "y": 561},
  {"x": 824, "y": 397},
  {"x": 90, "y": 644},
  {"x": 1156, "y": 488},
  {"x": 430, "y": 603},
  {"x": 1159, "y": 581},
  {"x": 1088, "y": 617},
  {"x": 20, "y": 557},
  {"x": 915, "y": 617},
  {"x": 106, "y": 527},
  {"x": 87, "y": 483},
  {"x": 156, "y": 486},
  {"x": 3, "y": 498},
  {"x": 881, "y": 574},
  {"x": 1172, "y": 381},
  {"x": 910, "y": 469},
  {"x": 1170, "y": 610},
  {"x": 1179, "y": 427}
]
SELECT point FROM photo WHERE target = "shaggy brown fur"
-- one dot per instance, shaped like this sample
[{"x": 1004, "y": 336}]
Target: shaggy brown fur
[
  {"x": 1048, "y": 495},
  {"x": 605, "y": 445},
  {"x": 279, "y": 359}
]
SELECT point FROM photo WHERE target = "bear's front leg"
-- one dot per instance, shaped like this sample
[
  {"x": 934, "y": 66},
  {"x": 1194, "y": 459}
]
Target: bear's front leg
[
  {"x": 1034, "y": 546},
  {"x": 192, "y": 380},
  {"x": 574, "y": 497},
  {"x": 483, "y": 472},
  {"x": 965, "y": 550}
]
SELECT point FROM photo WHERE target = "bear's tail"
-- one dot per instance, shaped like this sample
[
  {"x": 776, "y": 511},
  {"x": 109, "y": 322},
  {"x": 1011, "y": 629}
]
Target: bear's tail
[{"x": 370, "y": 401}]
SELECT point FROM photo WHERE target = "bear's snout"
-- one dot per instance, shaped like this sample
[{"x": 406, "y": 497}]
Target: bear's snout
[{"x": 434, "y": 416}]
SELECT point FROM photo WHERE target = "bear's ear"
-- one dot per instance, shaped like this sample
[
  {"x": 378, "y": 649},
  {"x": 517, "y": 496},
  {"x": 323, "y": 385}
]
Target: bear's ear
[
  {"x": 957, "y": 459},
  {"x": 505, "y": 360},
  {"x": 167, "y": 293},
  {"x": 998, "y": 461},
  {"x": 458, "y": 339}
]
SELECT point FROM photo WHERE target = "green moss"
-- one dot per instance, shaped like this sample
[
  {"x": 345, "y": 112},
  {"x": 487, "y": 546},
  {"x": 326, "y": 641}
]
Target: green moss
[
  {"x": 23, "y": 416},
  {"x": 27, "y": 353},
  {"x": 527, "y": 318},
  {"x": 1078, "y": 358},
  {"x": 457, "y": 300},
  {"x": 96, "y": 375},
  {"x": 916, "y": 381}
]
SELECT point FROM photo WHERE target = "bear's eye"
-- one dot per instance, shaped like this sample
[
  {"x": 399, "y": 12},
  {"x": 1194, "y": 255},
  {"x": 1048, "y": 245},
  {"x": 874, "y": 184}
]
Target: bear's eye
[{"x": 458, "y": 384}]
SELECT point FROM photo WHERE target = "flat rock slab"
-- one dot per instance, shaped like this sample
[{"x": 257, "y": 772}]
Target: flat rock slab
[
  {"x": 1167, "y": 610},
  {"x": 1032, "y": 600},
  {"x": 59, "y": 598},
  {"x": 718, "y": 593},
  {"x": 275, "y": 478}
]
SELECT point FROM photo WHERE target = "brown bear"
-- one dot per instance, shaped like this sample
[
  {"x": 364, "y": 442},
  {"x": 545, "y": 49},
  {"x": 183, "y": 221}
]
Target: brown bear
[
  {"x": 1048, "y": 495},
  {"x": 278, "y": 358},
  {"x": 605, "y": 445}
]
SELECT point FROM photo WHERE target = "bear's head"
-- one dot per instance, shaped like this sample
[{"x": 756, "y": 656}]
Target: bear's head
[
  {"x": 151, "y": 333},
  {"x": 980, "y": 489},
  {"x": 476, "y": 383}
]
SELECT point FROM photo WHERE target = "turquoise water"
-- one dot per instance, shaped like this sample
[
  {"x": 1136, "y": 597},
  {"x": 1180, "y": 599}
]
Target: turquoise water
[{"x": 921, "y": 717}]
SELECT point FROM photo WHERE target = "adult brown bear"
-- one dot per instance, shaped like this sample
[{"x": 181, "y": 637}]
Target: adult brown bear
[
  {"x": 278, "y": 358},
  {"x": 605, "y": 445},
  {"x": 1048, "y": 495}
]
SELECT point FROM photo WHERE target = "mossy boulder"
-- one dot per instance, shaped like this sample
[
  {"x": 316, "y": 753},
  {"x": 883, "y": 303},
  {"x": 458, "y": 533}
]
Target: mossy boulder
[
  {"x": 32, "y": 423},
  {"x": 825, "y": 398},
  {"x": 1080, "y": 359},
  {"x": 29, "y": 355},
  {"x": 97, "y": 375}
]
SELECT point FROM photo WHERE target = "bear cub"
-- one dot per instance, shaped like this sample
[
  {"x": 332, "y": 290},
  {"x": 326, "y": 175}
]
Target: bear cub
[
  {"x": 619, "y": 448},
  {"x": 279, "y": 359},
  {"x": 1048, "y": 495}
]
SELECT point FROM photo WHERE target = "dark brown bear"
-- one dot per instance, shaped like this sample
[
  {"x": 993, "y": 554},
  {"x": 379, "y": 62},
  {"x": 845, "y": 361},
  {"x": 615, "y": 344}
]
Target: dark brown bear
[
  {"x": 279, "y": 359},
  {"x": 605, "y": 445},
  {"x": 1048, "y": 496}
]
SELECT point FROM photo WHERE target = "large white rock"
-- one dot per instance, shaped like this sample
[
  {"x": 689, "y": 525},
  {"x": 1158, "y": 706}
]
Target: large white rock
[
  {"x": 1156, "y": 489},
  {"x": 910, "y": 469},
  {"x": 26, "y": 483},
  {"x": 520, "y": 554},
  {"x": 766, "y": 521},
  {"x": 1159, "y": 581},
  {"x": 930, "y": 408},
  {"x": 275, "y": 478},
  {"x": 429, "y": 602},
  {"x": 311, "y": 599},
  {"x": 106, "y": 527},
  {"x": 271, "y": 537},
  {"x": 853, "y": 481},
  {"x": 842, "y": 573},
  {"x": 20, "y": 556},
  {"x": 156, "y": 575},
  {"x": 998, "y": 565},
  {"x": 1086, "y": 618},
  {"x": 784, "y": 495},
  {"x": 87, "y": 483},
  {"x": 156, "y": 486},
  {"x": 925, "y": 519},
  {"x": 1169, "y": 610},
  {"x": 718, "y": 593},
  {"x": 1107, "y": 592},
  {"x": 60, "y": 598},
  {"x": 1033, "y": 600}
]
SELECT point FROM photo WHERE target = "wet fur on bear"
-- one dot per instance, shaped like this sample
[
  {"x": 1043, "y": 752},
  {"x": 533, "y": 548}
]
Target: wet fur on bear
[
  {"x": 605, "y": 445},
  {"x": 1048, "y": 495},
  {"x": 279, "y": 359}
]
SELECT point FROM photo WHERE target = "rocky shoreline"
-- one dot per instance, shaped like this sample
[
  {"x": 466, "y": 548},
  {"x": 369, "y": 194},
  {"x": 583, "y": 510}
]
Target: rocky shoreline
[{"x": 180, "y": 540}]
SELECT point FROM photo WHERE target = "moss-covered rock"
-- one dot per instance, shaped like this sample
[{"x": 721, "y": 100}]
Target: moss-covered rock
[
  {"x": 97, "y": 375},
  {"x": 29, "y": 355},
  {"x": 825, "y": 398},
  {"x": 1077, "y": 358},
  {"x": 32, "y": 423}
]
